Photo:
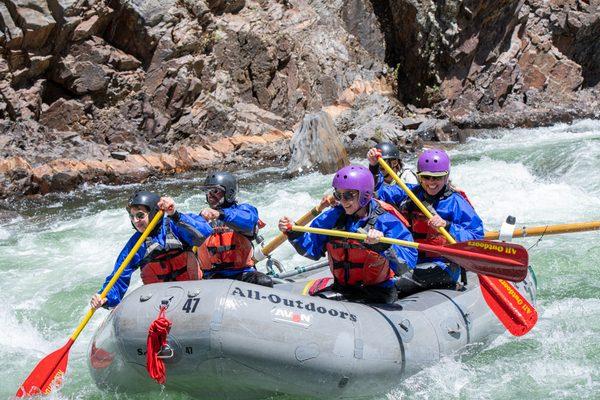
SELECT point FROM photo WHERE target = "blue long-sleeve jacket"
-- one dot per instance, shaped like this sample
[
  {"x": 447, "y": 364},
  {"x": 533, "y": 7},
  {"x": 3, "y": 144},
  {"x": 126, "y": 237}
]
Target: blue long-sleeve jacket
[
  {"x": 393, "y": 194},
  {"x": 243, "y": 219},
  {"x": 464, "y": 222},
  {"x": 313, "y": 245},
  {"x": 189, "y": 229}
]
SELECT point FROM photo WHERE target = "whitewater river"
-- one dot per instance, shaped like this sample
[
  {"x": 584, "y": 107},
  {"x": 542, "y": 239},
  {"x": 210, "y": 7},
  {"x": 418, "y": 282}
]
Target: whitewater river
[{"x": 59, "y": 250}]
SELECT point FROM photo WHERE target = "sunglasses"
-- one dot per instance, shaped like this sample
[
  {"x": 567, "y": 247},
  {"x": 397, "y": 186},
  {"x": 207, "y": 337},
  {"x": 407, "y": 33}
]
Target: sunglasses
[
  {"x": 431, "y": 178},
  {"x": 345, "y": 196},
  {"x": 138, "y": 216}
]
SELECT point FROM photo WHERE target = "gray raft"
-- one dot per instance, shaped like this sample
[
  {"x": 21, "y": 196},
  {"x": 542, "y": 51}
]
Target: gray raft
[{"x": 232, "y": 340}]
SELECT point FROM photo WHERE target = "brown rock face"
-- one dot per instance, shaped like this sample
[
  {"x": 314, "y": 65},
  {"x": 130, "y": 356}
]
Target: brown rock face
[
  {"x": 174, "y": 85},
  {"x": 478, "y": 56}
]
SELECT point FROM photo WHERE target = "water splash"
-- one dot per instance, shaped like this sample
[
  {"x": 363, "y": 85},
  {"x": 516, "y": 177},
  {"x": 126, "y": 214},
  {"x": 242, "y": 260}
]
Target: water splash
[{"x": 59, "y": 253}]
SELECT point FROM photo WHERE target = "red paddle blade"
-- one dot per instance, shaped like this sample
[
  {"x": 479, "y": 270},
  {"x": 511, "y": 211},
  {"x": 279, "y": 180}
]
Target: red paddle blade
[
  {"x": 512, "y": 309},
  {"x": 47, "y": 374},
  {"x": 507, "y": 261}
]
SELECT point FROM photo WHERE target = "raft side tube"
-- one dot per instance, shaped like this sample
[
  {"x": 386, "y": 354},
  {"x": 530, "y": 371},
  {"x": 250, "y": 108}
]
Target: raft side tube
[{"x": 234, "y": 340}]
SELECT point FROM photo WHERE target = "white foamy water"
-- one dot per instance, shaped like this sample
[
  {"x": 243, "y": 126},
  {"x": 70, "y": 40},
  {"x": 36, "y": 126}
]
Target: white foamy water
[{"x": 58, "y": 255}]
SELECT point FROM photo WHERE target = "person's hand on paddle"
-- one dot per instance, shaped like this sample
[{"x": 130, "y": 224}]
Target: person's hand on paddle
[
  {"x": 97, "y": 301},
  {"x": 373, "y": 236},
  {"x": 284, "y": 224},
  {"x": 437, "y": 222},
  {"x": 210, "y": 214},
  {"x": 167, "y": 204},
  {"x": 372, "y": 155}
]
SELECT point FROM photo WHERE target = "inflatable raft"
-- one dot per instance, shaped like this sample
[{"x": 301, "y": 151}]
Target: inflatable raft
[{"x": 232, "y": 340}]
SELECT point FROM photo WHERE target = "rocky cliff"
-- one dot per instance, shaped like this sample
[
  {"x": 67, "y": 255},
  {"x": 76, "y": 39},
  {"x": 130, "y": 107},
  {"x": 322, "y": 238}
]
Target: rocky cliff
[{"x": 119, "y": 90}]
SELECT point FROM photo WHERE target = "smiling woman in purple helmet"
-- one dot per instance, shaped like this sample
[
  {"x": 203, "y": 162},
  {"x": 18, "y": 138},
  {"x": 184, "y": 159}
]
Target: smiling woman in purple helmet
[
  {"x": 361, "y": 270},
  {"x": 450, "y": 209}
]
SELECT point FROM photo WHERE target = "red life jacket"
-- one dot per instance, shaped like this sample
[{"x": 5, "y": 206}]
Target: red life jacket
[
  {"x": 174, "y": 265},
  {"x": 422, "y": 232},
  {"x": 352, "y": 263},
  {"x": 226, "y": 249}
]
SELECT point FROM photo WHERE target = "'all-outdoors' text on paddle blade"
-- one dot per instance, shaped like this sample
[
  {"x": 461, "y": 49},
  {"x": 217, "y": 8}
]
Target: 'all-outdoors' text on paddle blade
[
  {"x": 497, "y": 266},
  {"x": 511, "y": 308}
]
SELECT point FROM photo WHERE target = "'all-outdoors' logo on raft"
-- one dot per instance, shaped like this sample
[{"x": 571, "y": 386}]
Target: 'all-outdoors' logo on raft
[{"x": 294, "y": 304}]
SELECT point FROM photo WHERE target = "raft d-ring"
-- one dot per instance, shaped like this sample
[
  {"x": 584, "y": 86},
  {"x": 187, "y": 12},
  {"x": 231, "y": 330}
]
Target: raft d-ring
[
  {"x": 166, "y": 352},
  {"x": 453, "y": 328},
  {"x": 145, "y": 297}
]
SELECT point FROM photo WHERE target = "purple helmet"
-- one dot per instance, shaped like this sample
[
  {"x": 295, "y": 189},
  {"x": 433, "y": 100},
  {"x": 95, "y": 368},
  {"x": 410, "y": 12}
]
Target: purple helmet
[
  {"x": 433, "y": 162},
  {"x": 356, "y": 177}
]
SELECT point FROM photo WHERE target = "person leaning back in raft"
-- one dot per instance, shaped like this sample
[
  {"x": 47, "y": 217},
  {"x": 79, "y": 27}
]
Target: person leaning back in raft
[
  {"x": 451, "y": 210},
  {"x": 362, "y": 271},
  {"x": 166, "y": 255},
  {"x": 227, "y": 253}
]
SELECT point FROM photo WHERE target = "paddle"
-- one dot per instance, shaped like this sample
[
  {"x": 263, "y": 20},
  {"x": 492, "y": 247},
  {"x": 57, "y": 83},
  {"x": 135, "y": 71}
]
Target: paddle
[
  {"x": 512, "y": 309},
  {"x": 49, "y": 371},
  {"x": 549, "y": 229},
  {"x": 503, "y": 260},
  {"x": 262, "y": 253}
]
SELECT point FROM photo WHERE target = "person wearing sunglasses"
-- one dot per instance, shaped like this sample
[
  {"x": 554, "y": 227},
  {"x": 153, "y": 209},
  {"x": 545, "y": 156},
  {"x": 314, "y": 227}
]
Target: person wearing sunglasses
[
  {"x": 451, "y": 210},
  {"x": 362, "y": 271},
  {"x": 390, "y": 153},
  {"x": 166, "y": 255},
  {"x": 227, "y": 253}
]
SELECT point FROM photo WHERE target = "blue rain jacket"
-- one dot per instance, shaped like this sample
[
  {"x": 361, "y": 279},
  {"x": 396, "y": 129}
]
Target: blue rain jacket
[
  {"x": 464, "y": 222},
  {"x": 312, "y": 245},
  {"x": 393, "y": 194},
  {"x": 190, "y": 229}
]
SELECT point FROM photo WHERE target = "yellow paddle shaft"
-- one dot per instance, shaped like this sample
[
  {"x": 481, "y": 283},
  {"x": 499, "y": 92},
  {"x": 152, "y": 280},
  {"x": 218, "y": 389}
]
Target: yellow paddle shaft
[
  {"x": 549, "y": 230},
  {"x": 351, "y": 235},
  {"x": 279, "y": 239},
  {"x": 118, "y": 273},
  {"x": 414, "y": 198}
]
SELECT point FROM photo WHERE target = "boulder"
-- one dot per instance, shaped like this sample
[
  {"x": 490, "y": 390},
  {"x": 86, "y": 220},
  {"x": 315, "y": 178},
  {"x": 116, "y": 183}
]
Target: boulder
[
  {"x": 316, "y": 145},
  {"x": 36, "y": 21},
  {"x": 65, "y": 115}
]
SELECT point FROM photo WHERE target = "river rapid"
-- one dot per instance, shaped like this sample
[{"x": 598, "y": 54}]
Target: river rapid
[{"x": 57, "y": 252}]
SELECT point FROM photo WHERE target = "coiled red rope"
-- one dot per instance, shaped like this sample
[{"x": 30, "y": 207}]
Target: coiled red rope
[{"x": 157, "y": 339}]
